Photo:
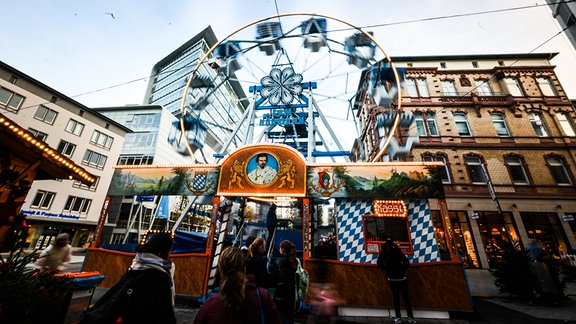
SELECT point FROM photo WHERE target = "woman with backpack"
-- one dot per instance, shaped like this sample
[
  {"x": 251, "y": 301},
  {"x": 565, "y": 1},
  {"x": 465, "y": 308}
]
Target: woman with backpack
[
  {"x": 145, "y": 294},
  {"x": 239, "y": 300},
  {"x": 283, "y": 270}
]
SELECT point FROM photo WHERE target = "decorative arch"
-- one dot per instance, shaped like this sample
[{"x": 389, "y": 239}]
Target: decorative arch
[{"x": 288, "y": 179}]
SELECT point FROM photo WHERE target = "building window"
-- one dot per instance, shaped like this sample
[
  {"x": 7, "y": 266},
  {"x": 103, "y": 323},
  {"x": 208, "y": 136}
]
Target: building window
[
  {"x": 66, "y": 148},
  {"x": 94, "y": 159},
  {"x": 475, "y": 169},
  {"x": 462, "y": 124},
  {"x": 136, "y": 160},
  {"x": 10, "y": 100},
  {"x": 514, "y": 87},
  {"x": 141, "y": 139},
  {"x": 46, "y": 114},
  {"x": 143, "y": 121},
  {"x": 74, "y": 127},
  {"x": 38, "y": 134},
  {"x": 444, "y": 174},
  {"x": 538, "y": 124},
  {"x": 483, "y": 87},
  {"x": 79, "y": 184},
  {"x": 500, "y": 124},
  {"x": 449, "y": 88},
  {"x": 425, "y": 127},
  {"x": 546, "y": 87},
  {"x": 558, "y": 170},
  {"x": 101, "y": 139},
  {"x": 475, "y": 64},
  {"x": 517, "y": 170},
  {"x": 43, "y": 199},
  {"x": 77, "y": 205},
  {"x": 442, "y": 65},
  {"x": 417, "y": 88},
  {"x": 566, "y": 123}
]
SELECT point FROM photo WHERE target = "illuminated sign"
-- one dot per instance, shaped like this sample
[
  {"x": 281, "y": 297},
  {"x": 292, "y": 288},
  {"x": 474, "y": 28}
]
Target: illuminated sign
[
  {"x": 282, "y": 117},
  {"x": 390, "y": 208}
]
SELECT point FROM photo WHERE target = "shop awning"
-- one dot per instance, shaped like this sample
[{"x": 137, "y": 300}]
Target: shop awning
[{"x": 49, "y": 163}]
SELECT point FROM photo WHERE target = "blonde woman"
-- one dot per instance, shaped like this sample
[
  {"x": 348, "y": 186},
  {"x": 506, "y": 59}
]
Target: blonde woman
[{"x": 239, "y": 300}]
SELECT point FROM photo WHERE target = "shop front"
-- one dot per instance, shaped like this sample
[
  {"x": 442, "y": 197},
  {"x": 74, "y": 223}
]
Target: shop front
[{"x": 481, "y": 235}]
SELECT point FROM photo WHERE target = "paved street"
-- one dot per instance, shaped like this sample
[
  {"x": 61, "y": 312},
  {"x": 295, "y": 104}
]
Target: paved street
[{"x": 489, "y": 307}]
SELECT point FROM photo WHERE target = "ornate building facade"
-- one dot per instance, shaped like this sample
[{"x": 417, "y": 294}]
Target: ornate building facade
[{"x": 505, "y": 129}]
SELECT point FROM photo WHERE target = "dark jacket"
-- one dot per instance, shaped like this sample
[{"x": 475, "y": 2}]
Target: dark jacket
[
  {"x": 283, "y": 275},
  {"x": 153, "y": 301},
  {"x": 256, "y": 265},
  {"x": 214, "y": 311},
  {"x": 271, "y": 218},
  {"x": 393, "y": 262}
]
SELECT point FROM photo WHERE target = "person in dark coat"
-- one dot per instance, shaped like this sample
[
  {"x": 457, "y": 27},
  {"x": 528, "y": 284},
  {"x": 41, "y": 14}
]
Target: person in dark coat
[
  {"x": 271, "y": 223},
  {"x": 283, "y": 270},
  {"x": 256, "y": 263},
  {"x": 395, "y": 264},
  {"x": 239, "y": 299},
  {"x": 154, "y": 302}
]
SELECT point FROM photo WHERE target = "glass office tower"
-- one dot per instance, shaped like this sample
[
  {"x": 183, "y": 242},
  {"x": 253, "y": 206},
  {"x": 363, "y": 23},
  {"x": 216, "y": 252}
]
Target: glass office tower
[{"x": 167, "y": 85}]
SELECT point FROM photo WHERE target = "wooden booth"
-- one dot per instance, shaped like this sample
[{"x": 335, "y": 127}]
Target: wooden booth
[{"x": 368, "y": 201}]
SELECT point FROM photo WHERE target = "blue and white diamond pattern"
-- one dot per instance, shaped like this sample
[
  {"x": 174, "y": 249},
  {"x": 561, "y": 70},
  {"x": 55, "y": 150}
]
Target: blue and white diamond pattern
[
  {"x": 422, "y": 232},
  {"x": 199, "y": 182},
  {"x": 351, "y": 236}
]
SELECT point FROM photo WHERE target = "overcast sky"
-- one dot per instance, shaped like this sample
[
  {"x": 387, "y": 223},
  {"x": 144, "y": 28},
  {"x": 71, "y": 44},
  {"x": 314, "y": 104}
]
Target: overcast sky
[{"x": 101, "y": 52}]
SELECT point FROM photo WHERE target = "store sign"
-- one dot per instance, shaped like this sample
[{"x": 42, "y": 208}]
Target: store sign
[
  {"x": 390, "y": 208},
  {"x": 568, "y": 218},
  {"x": 145, "y": 198},
  {"x": 282, "y": 117}
]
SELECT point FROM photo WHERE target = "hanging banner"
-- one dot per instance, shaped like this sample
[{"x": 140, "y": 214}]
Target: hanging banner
[
  {"x": 163, "y": 210},
  {"x": 379, "y": 179},
  {"x": 193, "y": 180}
]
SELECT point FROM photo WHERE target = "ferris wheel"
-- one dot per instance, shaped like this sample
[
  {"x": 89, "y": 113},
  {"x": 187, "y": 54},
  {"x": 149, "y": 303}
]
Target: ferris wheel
[{"x": 297, "y": 78}]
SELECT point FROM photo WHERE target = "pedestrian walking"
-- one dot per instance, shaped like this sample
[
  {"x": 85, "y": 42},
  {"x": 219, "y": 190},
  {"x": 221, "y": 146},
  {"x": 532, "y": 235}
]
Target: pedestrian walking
[
  {"x": 155, "y": 302},
  {"x": 394, "y": 263},
  {"x": 256, "y": 263},
  {"x": 271, "y": 223},
  {"x": 239, "y": 299},
  {"x": 249, "y": 240},
  {"x": 56, "y": 257},
  {"x": 283, "y": 270},
  {"x": 145, "y": 294}
]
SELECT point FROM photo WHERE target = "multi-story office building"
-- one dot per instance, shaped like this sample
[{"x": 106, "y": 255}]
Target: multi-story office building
[
  {"x": 505, "y": 129},
  {"x": 157, "y": 136},
  {"x": 167, "y": 86},
  {"x": 148, "y": 143},
  {"x": 78, "y": 133},
  {"x": 565, "y": 13}
]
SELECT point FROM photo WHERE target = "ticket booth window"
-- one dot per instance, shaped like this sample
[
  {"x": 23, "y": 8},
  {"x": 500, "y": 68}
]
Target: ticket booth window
[{"x": 389, "y": 219}]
